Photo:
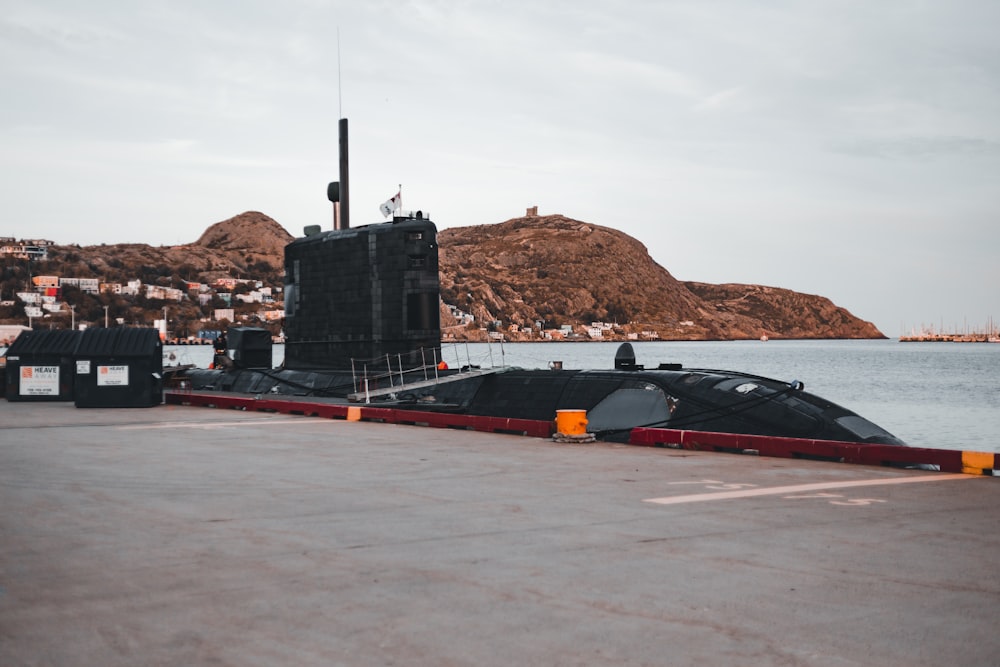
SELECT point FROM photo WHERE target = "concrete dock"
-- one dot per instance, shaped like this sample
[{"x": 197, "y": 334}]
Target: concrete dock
[{"x": 179, "y": 535}]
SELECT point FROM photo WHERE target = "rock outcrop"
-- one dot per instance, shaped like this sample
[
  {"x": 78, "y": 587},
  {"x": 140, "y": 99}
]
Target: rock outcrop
[{"x": 556, "y": 270}]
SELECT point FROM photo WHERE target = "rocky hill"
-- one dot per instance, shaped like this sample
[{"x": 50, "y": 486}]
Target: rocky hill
[
  {"x": 246, "y": 239},
  {"x": 249, "y": 245},
  {"x": 549, "y": 269},
  {"x": 563, "y": 271},
  {"x": 782, "y": 313}
]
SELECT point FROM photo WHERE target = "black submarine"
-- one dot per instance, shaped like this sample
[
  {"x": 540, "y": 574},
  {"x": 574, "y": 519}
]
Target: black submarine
[{"x": 362, "y": 324}]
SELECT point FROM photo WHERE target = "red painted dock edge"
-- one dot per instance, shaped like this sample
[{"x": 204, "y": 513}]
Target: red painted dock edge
[
  {"x": 299, "y": 406},
  {"x": 847, "y": 452},
  {"x": 706, "y": 441}
]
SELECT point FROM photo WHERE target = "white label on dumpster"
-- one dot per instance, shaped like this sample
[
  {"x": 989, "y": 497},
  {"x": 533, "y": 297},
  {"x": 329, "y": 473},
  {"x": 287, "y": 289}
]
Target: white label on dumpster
[
  {"x": 39, "y": 380},
  {"x": 83, "y": 366},
  {"x": 112, "y": 376}
]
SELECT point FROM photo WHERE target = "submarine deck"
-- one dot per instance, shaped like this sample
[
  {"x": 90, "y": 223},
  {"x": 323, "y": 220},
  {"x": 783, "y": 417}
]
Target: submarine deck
[{"x": 180, "y": 535}]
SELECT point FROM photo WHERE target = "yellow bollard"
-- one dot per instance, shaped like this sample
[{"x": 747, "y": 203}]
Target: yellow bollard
[
  {"x": 976, "y": 463},
  {"x": 571, "y": 422}
]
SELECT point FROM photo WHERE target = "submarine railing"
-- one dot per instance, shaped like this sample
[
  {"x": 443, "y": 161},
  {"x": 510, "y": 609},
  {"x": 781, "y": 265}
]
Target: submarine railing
[{"x": 379, "y": 370}]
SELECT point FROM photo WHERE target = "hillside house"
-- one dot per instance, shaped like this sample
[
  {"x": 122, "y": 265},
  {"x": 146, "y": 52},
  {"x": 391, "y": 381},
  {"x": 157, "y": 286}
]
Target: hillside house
[
  {"x": 164, "y": 293},
  {"x": 88, "y": 285},
  {"x": 132, "y": 288},
  {"x": 30, "y": 249},
  {"x": 31, "y": 298}
]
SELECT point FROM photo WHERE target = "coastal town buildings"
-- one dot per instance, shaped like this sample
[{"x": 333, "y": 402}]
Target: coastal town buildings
[
  {"x": 32, "y": 249},
  {"x": 44, "y": 297}
]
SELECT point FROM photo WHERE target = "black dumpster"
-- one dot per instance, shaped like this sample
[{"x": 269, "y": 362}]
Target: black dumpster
[
  {"x": 40, "y": 366},
  {"x": 119, "y": 368},
  {"x": 249, "y": 347}
]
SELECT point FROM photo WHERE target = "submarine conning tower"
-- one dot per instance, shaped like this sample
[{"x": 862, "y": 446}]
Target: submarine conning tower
[{"x": 362, "y": 293}]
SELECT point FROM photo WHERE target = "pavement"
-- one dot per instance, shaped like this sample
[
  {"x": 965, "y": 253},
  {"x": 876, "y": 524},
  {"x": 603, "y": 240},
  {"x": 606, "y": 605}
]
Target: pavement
[{"x": 179, "y": 535}]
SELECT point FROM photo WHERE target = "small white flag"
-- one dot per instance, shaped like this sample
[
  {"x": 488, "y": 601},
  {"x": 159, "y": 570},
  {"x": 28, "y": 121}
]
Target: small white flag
[{"x": 391, "y": 205}]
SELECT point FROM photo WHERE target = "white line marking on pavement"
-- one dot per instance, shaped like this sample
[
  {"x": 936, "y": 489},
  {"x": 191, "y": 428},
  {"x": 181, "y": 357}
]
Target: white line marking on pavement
[
  {"x": 267, "y": 421},
  {"x": 800, "y": 488}
]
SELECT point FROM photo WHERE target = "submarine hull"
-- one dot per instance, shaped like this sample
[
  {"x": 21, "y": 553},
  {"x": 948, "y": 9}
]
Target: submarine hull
[{"x": 616, "y": 400}]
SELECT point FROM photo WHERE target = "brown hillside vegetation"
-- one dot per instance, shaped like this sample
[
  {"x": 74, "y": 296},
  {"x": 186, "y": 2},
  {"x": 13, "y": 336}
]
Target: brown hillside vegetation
[
  {"x": 251, "y": 233},
  {"x": 249, "y": 245},
  {"x": 784, "y": 313},
  {"x": 559, "y": 270},
  {"x": 549, "y": 269},
  {"x": 564, "y": 271}
]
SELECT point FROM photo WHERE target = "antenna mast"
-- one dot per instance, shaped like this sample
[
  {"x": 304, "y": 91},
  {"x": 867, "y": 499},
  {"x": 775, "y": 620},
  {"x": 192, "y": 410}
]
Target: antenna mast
[
  {"x": 345, "y": 198},
  {"x": 340, "y": 106},
  {"x": 338, "y": 193}
]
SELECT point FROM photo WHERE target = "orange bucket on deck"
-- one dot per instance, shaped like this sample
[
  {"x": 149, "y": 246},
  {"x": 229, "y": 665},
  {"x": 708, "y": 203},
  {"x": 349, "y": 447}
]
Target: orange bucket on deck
[{"x": 571, "y": 422}]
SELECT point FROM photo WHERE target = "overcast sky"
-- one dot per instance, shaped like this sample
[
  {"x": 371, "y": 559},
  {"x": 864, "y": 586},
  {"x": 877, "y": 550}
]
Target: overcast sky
[{"x": 844, "y": 148}]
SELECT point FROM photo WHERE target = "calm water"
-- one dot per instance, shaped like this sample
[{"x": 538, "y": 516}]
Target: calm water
[{"x": 944, "y": 395}]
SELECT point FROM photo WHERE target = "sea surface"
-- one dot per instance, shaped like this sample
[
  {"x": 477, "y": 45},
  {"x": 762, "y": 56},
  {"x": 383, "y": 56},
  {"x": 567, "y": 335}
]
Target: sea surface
[{"x": 942, "y": 395}]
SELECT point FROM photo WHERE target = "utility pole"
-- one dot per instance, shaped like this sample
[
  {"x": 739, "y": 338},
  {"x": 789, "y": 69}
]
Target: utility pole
[
  {"x": 105, "y": 317},
  {"x": 72, "y": 310}
]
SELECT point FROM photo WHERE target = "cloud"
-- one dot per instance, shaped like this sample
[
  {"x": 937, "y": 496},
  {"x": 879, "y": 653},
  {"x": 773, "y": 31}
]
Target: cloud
[
  {"x": 920, "y": 148},
  {"x": 723, "y": 99}
]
